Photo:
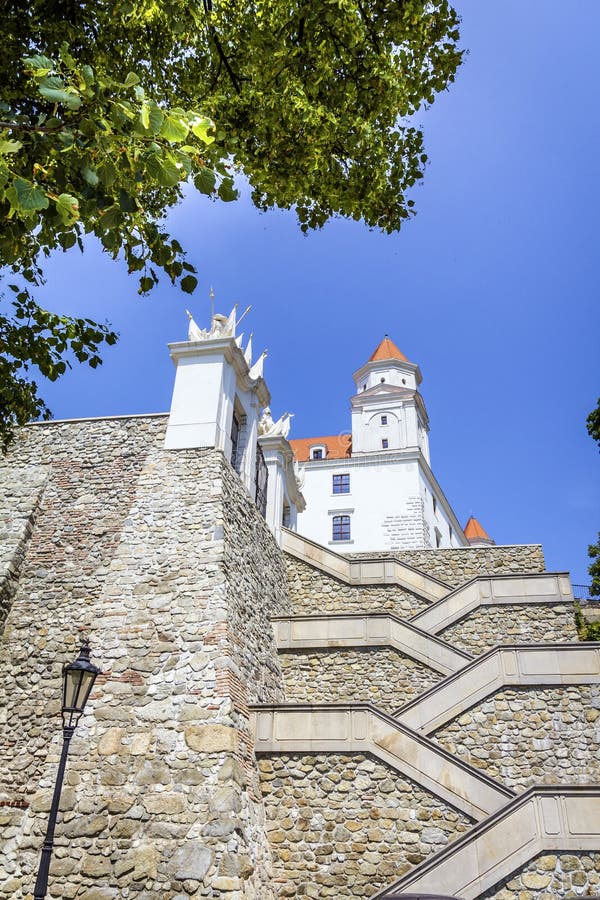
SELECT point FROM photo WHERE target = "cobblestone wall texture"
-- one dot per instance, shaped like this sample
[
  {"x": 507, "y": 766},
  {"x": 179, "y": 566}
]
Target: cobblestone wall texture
[
  {"x": 136, "y": 546},
  {"x": 313, "y": 591},
  {"x": 378, "y": 675},
  {"x": 552, "y": 876},
  {"x": 20, "y": 494},
  {"x": 531, "y": 735},
  {"x": 456, "y": 566},
  {"x": 488, "y": 626},
  {"x": 344, "y": 826}
]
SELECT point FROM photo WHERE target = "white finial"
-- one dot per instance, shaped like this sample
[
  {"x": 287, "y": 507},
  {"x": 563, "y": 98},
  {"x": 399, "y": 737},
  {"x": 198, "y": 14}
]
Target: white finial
[
  {"x": 239, "y": 339},
  {"x": 257, "y": 369},
  {"x": 248, "y": 352},
  {"x": 195, "y": 333},
  {"x": 211, "y": 295}
]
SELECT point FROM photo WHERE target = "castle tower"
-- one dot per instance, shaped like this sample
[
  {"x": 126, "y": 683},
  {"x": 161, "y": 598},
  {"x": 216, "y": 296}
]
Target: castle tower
[
  {"x": 476, "y": 534},
  {"x": 375, "y": 489},
  {"x": 388, "y": 413}
]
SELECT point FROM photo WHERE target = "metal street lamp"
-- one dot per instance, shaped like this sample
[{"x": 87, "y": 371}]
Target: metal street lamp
[{"x": 78, "y": 681}]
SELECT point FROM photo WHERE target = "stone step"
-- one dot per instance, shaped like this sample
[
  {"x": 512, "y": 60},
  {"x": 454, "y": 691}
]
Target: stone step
[
  {"x": 361, "y": 728},
  {"x": 520, "y": 664},
  {"x": 544, "y": 819},
  {"x": 369, "y": 630}
]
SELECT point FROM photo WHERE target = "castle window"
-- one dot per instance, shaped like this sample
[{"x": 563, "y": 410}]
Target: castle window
[
  {"x": 438, "y": 537},
  {"x": 341, "y": 528},
  {"x": 317, "y": 454},
  {"x": 434, "y": 504},
  {"x": 384, "y": 420},
  {"x": 382, "y": 380},
  {"x": 235, "y": 437},
  {"x": 384, "y": 444},
  {"x": 341, "y": 484},
  {"x": 364, "y": 387}
]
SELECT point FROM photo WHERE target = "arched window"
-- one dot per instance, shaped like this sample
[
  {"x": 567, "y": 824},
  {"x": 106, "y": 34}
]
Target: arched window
[{"x": 341, "y": 528}]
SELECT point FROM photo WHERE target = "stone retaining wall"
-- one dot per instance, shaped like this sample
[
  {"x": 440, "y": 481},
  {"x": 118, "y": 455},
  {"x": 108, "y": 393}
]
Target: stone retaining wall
[
  {"x": 312, "y": 591},
  {"x": 456, "y": 566},
  {"x": 531, "y": 735},
  {"x": 160, "y": 557},
  {"x": 343, "y": 826},
  {"x": 378, "y": 675},
  {"x": 20, "y": 494},
  {"x": 552, "y": 876},
  {"x": 488, "y": 626}
]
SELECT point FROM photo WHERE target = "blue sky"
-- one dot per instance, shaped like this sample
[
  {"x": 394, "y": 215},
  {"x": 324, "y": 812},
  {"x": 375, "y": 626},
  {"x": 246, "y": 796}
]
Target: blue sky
[{"x": 492, "y": 288}]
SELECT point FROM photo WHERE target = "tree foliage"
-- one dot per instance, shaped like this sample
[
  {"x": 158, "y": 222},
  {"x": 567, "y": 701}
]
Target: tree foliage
[
  {"x": 593, "y": 427},
  {"x": 107, "y": 111}
]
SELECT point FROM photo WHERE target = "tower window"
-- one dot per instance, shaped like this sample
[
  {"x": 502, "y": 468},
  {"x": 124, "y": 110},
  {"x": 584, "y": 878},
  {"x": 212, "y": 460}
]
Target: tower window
[
  {"x": 384, "y": 443},
  {"x": 434, "y": 504},
  {"x": 235, "y": 437},
  {"x": 364, "y": 387},
  {"x": 382, "y": 380},
  {"x": 341, "y": 484},
  {"x": 384, "y": 420},
  {"x": 438, "y": 538},
  {"x": 317, "y": 454},
  {"x": 341, "y": 528}
]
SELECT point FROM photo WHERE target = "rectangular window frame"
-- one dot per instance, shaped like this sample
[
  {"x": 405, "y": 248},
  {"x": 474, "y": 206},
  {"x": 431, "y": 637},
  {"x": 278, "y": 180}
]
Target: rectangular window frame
[
  {"x": 341, "y": 529},
  {"x": 340, "y": 483}
]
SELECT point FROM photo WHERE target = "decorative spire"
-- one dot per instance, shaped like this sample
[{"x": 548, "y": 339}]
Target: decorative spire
[
  {"x": 475, "y": 533},
  {"x": 248, "y": 351},
  {"x": 387, "y": 349},
  {"x": 257, "y": 369}
]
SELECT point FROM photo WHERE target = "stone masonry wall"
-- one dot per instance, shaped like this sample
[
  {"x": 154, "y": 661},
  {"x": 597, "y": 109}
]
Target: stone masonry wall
[
  {"x": 456, "y": 566},
  {"x": 342, "y": 826},
  {"x": 19, "y": 501},
  {"x": 313, "y": 591},
  {"x": 378, "y": 675},
  {"x": 488, "y": 626},
  {"x": 138, "y": 547},
  {"x": 531, "y": 735},
  {"x": 551, "y": 876}
]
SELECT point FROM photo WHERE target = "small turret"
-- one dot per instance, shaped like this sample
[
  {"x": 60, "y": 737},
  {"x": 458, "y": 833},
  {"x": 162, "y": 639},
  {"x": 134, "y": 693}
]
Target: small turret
[{"x": 476, "y": 534}]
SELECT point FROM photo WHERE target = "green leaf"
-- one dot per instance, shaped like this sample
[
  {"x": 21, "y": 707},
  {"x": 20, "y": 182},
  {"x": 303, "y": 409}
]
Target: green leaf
[
  {"x": 205, "y": 181},
  {"x": 155, "y": 115},
  {"x": 163, "y": 170},
  {"x": 52, "y": 88},
  {"x": 226, "y": 191},
  {"x": 131, "y": 79},
  {"x": 91, "y": 176},
  {"x": 200, "y": 126},
  {"x": 145, "y": 116},
  {"x": 67, "y": 207},
  {"x": 87, "y": 73},
  {"x": 174, "y": 128},
  {"x": 10, "y": 146},
  {"x": 126, "y": 202},
  {"x": 40, "y": 64},
  {"x": 26, "y": 197},
  {"x": 188, "y": 284},
  {"x": 146, "y": 284},
  {"x": 67, "y": 239}
]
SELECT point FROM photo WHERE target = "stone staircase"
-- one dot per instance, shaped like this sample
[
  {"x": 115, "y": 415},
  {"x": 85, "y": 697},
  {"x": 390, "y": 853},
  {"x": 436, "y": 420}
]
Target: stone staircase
[{"x": 339, "y": 826}]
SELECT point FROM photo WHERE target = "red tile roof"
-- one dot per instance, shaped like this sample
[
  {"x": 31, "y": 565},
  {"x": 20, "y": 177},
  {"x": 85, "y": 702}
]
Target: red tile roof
[
  {"x": 387, "y": 350},
  {"x": 474, "y": 530},
  {"x": 337, "y": 446}
]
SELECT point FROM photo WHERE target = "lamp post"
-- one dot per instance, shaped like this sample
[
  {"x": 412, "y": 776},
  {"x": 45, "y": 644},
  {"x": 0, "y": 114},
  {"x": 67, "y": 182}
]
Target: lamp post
[{"x": 78, "y": 681}]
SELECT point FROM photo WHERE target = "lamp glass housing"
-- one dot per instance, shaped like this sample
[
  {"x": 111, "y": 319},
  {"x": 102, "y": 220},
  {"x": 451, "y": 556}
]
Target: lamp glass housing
[{"x": 78, "y": 681}]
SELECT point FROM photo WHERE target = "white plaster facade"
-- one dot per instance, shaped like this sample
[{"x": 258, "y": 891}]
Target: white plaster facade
[
  {"x": 218, "y": 398},
  {"x": 390, "y": 494}
]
